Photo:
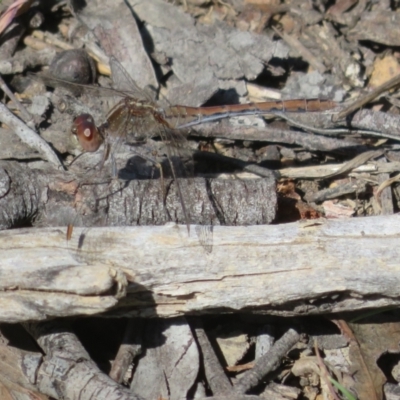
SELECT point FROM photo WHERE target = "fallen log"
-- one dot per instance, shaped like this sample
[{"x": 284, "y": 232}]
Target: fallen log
[{"x": 312, "y": 267}]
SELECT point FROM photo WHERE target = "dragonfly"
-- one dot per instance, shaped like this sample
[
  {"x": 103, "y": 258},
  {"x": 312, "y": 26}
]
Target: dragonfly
[{"x": 136, "y": 117}]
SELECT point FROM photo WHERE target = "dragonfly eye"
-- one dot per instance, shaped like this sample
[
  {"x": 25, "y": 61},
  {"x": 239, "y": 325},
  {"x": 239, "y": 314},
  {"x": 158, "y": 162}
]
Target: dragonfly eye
[{"x": 86, "y": 132}]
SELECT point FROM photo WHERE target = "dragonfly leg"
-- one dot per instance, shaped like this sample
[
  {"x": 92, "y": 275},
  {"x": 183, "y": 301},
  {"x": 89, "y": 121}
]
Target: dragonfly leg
[
  {"x": 76, "y": 158},
  {"x": 160, "y": 169}
]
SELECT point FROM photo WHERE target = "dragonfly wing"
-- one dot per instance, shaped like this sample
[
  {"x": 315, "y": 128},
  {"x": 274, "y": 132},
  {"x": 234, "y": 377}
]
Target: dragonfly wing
[
  {"x": 78, "y": 89},
  {"x": 115, "y": 132},
  {"x": 183, "y": 175},
  {"x": 123, "y": 81}
]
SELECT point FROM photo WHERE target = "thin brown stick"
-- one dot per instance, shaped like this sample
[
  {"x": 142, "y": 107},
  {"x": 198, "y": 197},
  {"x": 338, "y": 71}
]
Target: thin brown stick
[
  {"x": 268, "y": 362},
  {"x": 361, "y": 101},
  {"x": 215, "y": 374}
]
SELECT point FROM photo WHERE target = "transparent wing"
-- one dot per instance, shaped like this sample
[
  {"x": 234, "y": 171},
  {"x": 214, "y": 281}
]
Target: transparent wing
[
  {"x": 183, "y": 175},
  {"x": 142, "y": 122},
  {"x": 78, "y": 89},
  {"x": 122, "y": 80}
]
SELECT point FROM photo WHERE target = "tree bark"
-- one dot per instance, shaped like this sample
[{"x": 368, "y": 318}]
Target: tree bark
[
  {"x": 55, "y": 198},
  {"x": 292, "y": 269}
]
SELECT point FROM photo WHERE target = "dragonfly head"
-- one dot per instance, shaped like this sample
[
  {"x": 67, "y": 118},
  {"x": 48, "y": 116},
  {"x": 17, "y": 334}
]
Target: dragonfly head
[{"x": 85, "y": 130}]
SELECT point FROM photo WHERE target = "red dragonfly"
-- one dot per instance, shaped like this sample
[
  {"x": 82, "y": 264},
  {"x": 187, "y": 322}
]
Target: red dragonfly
[{"x": 136, "y": 117}]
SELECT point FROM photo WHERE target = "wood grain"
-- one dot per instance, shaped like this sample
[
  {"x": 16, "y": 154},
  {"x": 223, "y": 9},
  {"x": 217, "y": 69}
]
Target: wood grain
[{"x": 292, "y": 269}]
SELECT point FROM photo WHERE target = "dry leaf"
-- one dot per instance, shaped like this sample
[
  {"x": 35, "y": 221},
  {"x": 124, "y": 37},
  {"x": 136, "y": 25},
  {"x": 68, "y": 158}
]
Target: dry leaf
[{"x": 384, "y": 69}]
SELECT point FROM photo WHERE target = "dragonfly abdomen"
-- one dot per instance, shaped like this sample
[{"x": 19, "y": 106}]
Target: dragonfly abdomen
[{"x": 182, "y": 117}]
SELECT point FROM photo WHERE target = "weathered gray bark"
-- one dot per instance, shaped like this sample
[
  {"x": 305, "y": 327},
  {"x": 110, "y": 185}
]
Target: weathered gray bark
[
  {"x": 55, "y": 198},
  {"x": 292, "y": 269}
]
